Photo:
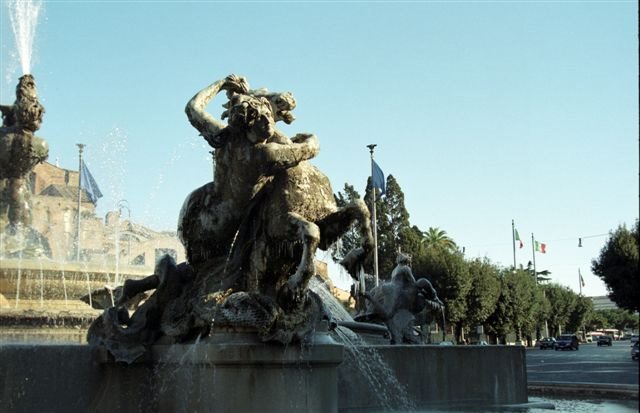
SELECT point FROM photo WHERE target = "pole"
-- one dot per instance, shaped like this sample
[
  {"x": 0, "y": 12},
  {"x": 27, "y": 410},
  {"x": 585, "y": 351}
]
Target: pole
[
  {"x": 374, "y": 220},
  {"x": 533, "y": 249},
  {"x": 123, "y": 203},
  {"x": 580, "y": 280},
  {"x": 513, "y": 242},
  {"x": 535, "y": 274},
  {"x": 80, "y": 149}
]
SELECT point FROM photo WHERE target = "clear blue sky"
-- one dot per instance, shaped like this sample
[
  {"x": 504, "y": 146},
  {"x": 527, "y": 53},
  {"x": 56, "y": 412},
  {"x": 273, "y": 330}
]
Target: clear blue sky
[{"x": 483, "y": 111}]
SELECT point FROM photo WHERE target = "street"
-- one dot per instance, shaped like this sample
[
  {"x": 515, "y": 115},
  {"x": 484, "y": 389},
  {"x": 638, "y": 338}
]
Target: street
[{"x": 591, "y": 364}]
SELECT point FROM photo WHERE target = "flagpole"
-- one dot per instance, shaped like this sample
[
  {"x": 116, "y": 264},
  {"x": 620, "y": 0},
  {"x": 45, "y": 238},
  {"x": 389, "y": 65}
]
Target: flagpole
[
  {"x": 80, "y": 148},
  {"x": 580, "y": 280},
  {"x": 533, "y": 248},
  {"x": 374, "y": 220},
  {"x": 513, "y": 239}
]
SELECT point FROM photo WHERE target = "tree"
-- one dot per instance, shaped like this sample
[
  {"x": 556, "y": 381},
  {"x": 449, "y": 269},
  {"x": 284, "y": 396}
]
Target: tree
[
  {"x": 352, "y": 238},
  {"x": 562, "y": 301},
  {"x": 617, "y": 266},
  {"x": 580, "y": 314},
  {"x": 437, "y": 238},
  {"x": 449, "y": 274},
  {"x": 618, "y": 318},
  {"x": 393, "y": 227},
  {"x": 484, "y": 292},
  {"x": 522, "y": 301}
]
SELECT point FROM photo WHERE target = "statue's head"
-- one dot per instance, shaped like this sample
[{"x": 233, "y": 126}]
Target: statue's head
[
  {"x": 253, "y": 115},
  {"x": 403, "y": 259},
  {"x": 29, "y": 114},
  {"x": 26, "y": 88},
  {"x": 28, "y": 110}
]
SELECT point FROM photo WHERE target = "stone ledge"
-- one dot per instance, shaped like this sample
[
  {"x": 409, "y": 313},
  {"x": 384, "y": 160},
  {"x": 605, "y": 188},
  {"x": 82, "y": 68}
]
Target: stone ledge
[{"x": 612, "y": 391}]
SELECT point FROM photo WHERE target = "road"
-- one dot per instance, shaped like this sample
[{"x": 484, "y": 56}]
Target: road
[{"x": 590, "y": 365}]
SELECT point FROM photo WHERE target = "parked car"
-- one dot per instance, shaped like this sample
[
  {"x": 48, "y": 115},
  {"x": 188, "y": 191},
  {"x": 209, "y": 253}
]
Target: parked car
[
  {"x": 605, "y": 341},
  {"x": 634, "y": 351},
  {"x": 547, "y": 342},
  {"x": 567, "y": 341}
]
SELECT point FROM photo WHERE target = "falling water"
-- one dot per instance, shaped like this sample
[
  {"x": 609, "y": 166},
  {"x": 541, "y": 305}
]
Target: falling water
[
  {"x": 369, "y": 364},
  {"x": 24, "y": 18},
  {"x": 64, "y": 287},
  {"x": 364, "y": 358},
  {"x": 233, "y": 243},
  {"x": 41, "y": 283},
  {"x": 86, "y": 273},
  {"x": 334, "y": 306},
  {"x": 18, "y": 282},
  {"x": 20, "y": 249},
  {"x": 444, "y": 326}
]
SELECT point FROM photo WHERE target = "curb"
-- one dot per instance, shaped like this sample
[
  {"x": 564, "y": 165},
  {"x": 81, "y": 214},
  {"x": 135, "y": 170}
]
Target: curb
[{"x": 600, "y": 390}]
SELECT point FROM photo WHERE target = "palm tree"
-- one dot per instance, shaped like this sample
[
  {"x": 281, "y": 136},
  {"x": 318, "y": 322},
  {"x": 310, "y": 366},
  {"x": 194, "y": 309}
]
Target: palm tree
[{"x": 438, "y": 238}]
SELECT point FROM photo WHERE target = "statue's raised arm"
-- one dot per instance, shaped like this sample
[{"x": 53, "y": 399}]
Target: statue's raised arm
[{"x": 208, "y": 126}]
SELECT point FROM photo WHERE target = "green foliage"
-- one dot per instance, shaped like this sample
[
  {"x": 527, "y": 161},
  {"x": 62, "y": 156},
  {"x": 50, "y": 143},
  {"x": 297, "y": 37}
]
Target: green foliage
[
  {"x": 477, "y": 292},
  {"x": 437, "y": 238},
  {"x": 484, "y": 292},
  {"x": 449, "y": 274},
  {"x": 351, "y": 239},
  {"x": 617, "y": 266},
  {"x": 616, "y": 318},
  {"x": 562, "y": 301},
  {"x": 523, "y": 305},
  {"x": 581, "y": 313},
  {"x": 393, "y": 227}
]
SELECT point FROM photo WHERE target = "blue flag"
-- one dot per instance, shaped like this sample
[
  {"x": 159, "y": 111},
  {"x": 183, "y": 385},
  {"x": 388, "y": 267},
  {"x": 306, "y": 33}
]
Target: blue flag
[
  {"x": 377, "y": 177},
  {"x": 89, "y": 184}
]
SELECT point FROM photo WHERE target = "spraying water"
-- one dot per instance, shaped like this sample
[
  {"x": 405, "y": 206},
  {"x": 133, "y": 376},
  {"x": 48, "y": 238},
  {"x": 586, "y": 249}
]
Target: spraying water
[{"x": 24, "y": 18}]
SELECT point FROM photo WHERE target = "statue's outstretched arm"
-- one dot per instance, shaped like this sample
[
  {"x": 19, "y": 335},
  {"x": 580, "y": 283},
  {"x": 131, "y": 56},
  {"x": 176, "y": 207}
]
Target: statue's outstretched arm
[
  {"x": 279, "y": 156},
  {"x": 205, "y": 123}
]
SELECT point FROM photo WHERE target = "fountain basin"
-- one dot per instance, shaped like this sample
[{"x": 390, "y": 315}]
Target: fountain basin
[
  {"x": 233, "y": 372},
  {"x": 236, "y": 372}
]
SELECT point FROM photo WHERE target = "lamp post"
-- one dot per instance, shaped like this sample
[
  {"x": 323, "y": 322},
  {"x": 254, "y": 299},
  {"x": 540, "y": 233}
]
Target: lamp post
[
  {"x": 374, "y": 220},
  {"x": 80, "y": 149},
  {"x": 123, "y": 203}
]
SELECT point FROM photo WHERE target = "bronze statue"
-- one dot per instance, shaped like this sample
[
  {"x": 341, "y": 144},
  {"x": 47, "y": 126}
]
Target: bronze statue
[
  {"x": 20, "y": 151},
  {"x": 399, "y": 302},
  {"x": 250, "y": 235}
]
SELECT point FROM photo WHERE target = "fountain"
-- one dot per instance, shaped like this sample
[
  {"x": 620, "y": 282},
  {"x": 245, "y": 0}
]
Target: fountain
[{"x": 244, "y": 324}]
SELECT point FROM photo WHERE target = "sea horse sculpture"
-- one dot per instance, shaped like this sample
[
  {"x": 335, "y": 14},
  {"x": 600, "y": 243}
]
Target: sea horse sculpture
[{"x": 398, "y": 302}]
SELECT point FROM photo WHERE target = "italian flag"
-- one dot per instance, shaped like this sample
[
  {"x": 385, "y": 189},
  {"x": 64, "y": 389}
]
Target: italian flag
[
  {"x": 541, "y": 247},
  {"x": 518, "y": 239}
]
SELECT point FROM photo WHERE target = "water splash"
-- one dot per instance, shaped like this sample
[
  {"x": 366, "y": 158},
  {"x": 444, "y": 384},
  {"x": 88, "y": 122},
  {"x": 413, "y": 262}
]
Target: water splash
[
  {"x": 371, "y": 366},
  {"x": 24, "y": 19}
]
